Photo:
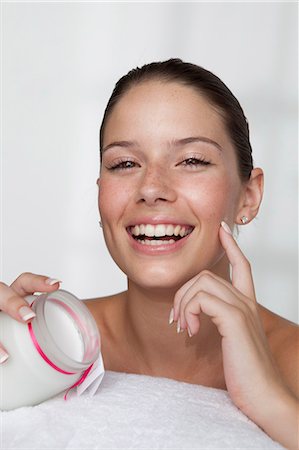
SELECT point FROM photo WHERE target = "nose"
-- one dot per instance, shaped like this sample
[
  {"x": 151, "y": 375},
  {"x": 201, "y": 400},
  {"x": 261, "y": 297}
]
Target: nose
[{"x": 155, "y": 186}]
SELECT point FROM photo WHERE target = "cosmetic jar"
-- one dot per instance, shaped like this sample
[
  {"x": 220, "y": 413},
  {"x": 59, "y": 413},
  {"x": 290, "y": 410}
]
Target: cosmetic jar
[{"x": 49, "y": 354}]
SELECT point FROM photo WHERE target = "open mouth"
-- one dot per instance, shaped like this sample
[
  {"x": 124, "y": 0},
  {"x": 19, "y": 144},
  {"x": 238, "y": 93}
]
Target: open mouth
[{"x": 160, "y": 234}]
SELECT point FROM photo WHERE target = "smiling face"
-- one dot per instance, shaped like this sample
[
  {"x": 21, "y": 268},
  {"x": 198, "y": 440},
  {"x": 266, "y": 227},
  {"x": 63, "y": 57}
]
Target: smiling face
[{"x": 168, "y": 178}]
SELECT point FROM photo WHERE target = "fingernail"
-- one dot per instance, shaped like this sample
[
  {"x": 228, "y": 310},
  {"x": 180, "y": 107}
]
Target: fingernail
[
  {"x": 170, "y": 321},
  {"x": 226, "y": 227},
  {"x": 3, "y": 355},
  {"x": 178, "y": 328},
  {"x": 52, "y": 281},
  {"x": 26, "y": 313},
  {"x": 189, "y": 332}
]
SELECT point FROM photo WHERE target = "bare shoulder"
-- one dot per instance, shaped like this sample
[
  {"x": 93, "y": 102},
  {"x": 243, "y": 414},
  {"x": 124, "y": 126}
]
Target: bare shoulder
[
  {"x": 277, "y": 327},
  {"x": 107, "y": 311},
  {"x": 102, "y": 305},
  {"x": 283, "y": 338},
  {"x": 99, "y": 302}
]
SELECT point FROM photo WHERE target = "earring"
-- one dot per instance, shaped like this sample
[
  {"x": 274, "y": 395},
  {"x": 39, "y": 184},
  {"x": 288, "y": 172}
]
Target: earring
[
  {"x": 244, "y": 220},
  {"x": 100, "y": 223}
]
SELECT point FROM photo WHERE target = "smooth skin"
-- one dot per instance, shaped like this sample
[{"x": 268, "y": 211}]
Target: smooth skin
[{"x": 235, "y": 344}]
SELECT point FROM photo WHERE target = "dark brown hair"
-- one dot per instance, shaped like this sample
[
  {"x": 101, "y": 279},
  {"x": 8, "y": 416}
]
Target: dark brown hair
[{"x": 208, "y": 85}]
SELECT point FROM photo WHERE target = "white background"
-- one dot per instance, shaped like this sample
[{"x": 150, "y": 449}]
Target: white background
[{"x": 60, "y": 62}]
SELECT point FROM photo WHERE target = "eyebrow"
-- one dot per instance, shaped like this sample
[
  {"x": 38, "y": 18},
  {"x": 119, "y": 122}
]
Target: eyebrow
[
  {"x": 125, "y": 144},
  {"x": 175, "y": 143},
  {"x": 190, "y": 140}
]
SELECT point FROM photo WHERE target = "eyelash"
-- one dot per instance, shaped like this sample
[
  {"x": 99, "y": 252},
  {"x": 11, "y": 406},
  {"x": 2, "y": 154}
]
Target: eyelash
[
  {"x": 120, "y": 165},
  {"x": 196, "y": 161},
  {"x": 199, "y": 161}
]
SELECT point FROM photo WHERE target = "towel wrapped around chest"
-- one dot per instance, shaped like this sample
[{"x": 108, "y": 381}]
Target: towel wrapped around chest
[{"x": 134, "y": 412}]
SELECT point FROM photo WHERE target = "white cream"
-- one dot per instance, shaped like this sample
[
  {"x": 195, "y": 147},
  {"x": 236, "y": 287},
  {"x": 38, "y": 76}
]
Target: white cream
[{"x": 64, "y": 331}]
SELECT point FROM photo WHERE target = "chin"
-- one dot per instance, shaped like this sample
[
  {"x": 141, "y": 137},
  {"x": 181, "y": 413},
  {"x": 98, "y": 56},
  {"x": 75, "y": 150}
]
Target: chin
[{"x": 159, "y": 278}]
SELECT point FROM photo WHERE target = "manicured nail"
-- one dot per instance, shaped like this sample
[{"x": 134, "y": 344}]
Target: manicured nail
[
  {"x": 226, "y": 227},
  {"x": 3, "y": 355},
  {"x": 178, "y": 328},
  {"x": 189, "y": 332},
  {"x": 171, "y": 316},
  {"x": 52, "y": 281},
  {"x": 26, "y": 313}
]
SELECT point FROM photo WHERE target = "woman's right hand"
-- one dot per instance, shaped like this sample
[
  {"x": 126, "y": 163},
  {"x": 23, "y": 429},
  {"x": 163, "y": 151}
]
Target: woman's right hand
[{"x": 13, "y": 303}]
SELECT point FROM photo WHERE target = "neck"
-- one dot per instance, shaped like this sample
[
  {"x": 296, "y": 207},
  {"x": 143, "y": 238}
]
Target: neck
[{"x": 155, "y": 345}]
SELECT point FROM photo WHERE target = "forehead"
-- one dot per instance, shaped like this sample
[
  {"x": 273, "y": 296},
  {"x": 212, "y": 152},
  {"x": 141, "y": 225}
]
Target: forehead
[{"x": 164, "y": 109}]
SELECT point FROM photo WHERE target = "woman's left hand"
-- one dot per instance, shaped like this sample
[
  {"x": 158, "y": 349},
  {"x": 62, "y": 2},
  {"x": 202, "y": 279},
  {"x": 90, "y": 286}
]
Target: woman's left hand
[{"x": 251, "y": 375}]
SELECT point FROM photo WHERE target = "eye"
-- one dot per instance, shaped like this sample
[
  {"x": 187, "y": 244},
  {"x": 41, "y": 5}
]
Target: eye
[
  {"x": 122, "y": 165},
  {"x": 195, "y": 162}
]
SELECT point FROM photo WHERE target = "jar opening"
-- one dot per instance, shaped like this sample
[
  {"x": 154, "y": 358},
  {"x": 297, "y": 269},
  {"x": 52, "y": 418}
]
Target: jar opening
[{"x": 65, "y": 330}]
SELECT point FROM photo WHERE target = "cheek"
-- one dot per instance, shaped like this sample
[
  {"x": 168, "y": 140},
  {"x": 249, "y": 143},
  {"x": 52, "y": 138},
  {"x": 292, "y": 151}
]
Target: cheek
[
  {"x": 212, "y": 198},
  {"x": 113, "y": 197}
]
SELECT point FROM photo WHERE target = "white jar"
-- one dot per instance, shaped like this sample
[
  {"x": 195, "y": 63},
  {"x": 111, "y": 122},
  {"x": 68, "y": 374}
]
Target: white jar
[{"x": 64, "y": 338}]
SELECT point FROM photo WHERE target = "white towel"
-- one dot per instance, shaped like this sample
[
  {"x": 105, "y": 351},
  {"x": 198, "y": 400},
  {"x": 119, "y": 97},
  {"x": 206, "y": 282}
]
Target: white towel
[{"x": 134, "y": 412}]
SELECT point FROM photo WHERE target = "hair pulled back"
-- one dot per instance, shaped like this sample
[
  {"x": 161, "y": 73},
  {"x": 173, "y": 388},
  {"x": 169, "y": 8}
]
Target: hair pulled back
[{"x": 206, "y": 84}]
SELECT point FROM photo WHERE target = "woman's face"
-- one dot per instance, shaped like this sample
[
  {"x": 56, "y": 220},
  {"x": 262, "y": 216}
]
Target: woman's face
[{"x": 168, "y": 178}]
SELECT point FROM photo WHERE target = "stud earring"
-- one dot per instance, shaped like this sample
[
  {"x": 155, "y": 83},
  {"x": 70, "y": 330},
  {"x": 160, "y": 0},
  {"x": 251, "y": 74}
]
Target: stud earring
[{"x": 244, "y": 220}]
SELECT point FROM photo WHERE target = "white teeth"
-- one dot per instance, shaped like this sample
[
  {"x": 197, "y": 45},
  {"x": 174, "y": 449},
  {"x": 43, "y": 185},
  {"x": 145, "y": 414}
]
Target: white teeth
[
  {"x": 159, "y": 230},
  {"x": 183, "y": 232},
  {"x": 169, "y": 230},
  {"x": 154, "y": 243},
  {"x": 177, "y": 230},
  {"x": 149, "y": 230},
  {"x": 136, "y": 230}
]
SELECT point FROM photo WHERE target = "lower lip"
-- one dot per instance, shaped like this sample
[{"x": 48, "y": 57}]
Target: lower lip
[{"x": 158, "y": 249}]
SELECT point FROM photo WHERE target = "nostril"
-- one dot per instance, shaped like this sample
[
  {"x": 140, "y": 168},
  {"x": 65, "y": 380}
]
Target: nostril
[
  {"x": 152, "y": 200},
  {"x": 155, "y": 194},
  {"x": 155, "y": 199}
]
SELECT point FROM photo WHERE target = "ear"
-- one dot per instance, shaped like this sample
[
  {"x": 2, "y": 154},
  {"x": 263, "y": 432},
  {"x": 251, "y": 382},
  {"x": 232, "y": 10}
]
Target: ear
[
  {"x": 251, "y": 196},
  {"x": 98, "y": 182}
]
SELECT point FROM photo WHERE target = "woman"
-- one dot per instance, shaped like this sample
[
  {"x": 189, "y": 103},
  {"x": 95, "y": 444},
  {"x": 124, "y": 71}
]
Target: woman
[{"x": 176, "y": 177}]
